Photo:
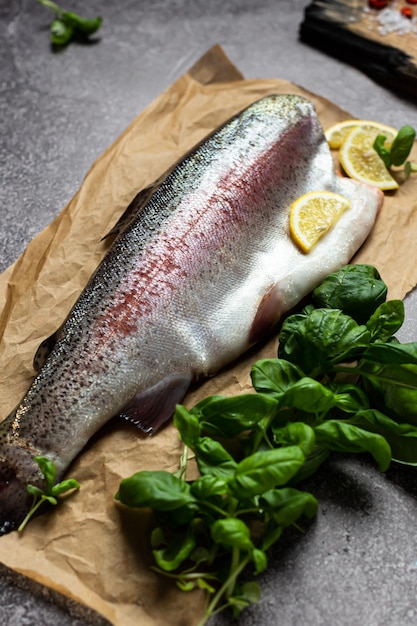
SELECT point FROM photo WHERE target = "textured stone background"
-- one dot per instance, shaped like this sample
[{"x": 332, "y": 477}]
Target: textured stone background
[{"x": 357, "y": 563}]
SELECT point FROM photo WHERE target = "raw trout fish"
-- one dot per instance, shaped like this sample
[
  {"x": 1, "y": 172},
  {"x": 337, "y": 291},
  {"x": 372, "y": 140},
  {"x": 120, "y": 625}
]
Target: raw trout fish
[{"x": 202, "y": 267}]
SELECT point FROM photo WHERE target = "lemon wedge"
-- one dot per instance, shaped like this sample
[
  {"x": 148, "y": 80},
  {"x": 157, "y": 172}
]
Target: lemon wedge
[
  {"x": 313, "y": 215},
  {"x": 337, "y": 133},
  {"x": 361, "y": 162}
]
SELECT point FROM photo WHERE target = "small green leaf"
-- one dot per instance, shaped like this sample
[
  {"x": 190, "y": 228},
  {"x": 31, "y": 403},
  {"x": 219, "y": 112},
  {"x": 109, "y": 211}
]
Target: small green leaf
[
  {"x": 402, "y": 144},
  {"x": 232, "y": 532},
  {"x": 64, "y": 486},
  {"x": 260, "y": 560},
  {"x": 158, "y": 490},
  {"x": 61, "y": 33},
  {"x": 274, "y": 375},
  {"x": 263, "y": 470},
  {"x": 286, "y": 505},
  {"x": 212, "y": 458},
  {"x": 179, "y": 548},
  {"x": 207, "y": 486},
  {"x": 229, "y": 416},
  {"x": 386, "y": 320},
  {"x": 357, "y": 290},
  {"x": 48, "y": 470},
  {"x": 86, "y": 26},
  {"x": 383, "y": 152},
  {"x": 187, "y": 424},
  {"x": 341, "y": 436},
  {"x": 296, "y": 433}
]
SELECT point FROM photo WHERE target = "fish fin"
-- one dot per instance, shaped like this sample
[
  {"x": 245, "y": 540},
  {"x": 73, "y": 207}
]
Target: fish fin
[
  {"x": 150, "y": 409},
  {"x": 267, "y": 314},
  {"x": 44, "y": 350}
]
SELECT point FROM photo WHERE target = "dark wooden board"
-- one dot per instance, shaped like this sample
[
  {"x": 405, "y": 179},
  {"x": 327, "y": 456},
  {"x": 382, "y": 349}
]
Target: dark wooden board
[{"x": 348, "y": 30}]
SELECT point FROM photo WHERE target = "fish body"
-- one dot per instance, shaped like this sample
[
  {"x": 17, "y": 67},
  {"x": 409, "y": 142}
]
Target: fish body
[{"x": 202, "y": 269}]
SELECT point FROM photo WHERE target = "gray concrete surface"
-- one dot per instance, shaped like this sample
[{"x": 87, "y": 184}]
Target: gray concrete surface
[{"x": 357, "y": 563}]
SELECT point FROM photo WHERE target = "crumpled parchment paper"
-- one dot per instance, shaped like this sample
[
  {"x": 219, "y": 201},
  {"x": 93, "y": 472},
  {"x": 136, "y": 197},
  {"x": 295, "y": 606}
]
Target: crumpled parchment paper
[{"x": 91, "y": 549}]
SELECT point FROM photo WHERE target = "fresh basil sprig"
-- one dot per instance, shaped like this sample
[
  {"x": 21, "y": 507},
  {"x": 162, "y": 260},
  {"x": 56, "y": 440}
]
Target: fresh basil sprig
[
  {"x": 67, "y": 25},
  {"x": 51, "y": 492},
  {"x": 399, "y": 151},
  {"x": 341, "y": 383}
]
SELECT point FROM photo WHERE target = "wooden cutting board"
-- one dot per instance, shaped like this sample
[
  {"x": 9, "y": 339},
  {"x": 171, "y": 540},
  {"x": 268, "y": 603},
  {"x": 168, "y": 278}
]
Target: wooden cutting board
[{"x": 356, "y": 33}]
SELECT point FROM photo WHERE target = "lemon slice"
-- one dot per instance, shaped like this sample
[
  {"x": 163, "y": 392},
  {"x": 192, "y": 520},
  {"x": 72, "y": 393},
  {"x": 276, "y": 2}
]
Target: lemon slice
[
  {"x": 313, "y": 215},
  {"x": 337, "y": 133},
  {"x": 361, "y": 162}
]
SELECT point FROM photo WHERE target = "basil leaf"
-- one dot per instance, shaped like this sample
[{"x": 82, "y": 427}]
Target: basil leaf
[
  {"x": 212, "y": 458},
  {"x": 357, "y": 290},
  {"x": 296, "y": 433},
  {"x": 207, "y": 486},
  {"x": 382, "y": 151},
  {"x": 64, "y": 486},
  {"x": 387, "y": 319},
  {"x": 349, "y": 397},
  {"x": 324, "y": 337},
  {"x": 61, "y": 33},
  {"x": 392, "y": 353},
  {"x": 274, "y": 375},
  {"x": 232, "y": 532},
  {"x": 309, "y": 395},
  {"x": 261, "y": 562},
  {"x": 341, "y": 436},
  {"x": 48, "y": 470},
  {"x": 178, "y": 549},
  {"x": 402, "y": 144},
  {"x": 187, "y": 424},
  {"x": 402, "y": 438},
  {"x": 265, "y": 470},
  {"x": 85, "y": 26},
  {"x": 229, "y": 416},
  {"x": 34, "y": 491},
  {"x": 287, "y": 505},
  {"x": 158, "y": 490}
]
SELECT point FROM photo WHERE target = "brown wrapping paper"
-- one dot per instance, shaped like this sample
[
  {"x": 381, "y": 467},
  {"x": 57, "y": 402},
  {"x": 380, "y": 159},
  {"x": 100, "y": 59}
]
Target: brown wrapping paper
[{"x": 90, "y": 549}]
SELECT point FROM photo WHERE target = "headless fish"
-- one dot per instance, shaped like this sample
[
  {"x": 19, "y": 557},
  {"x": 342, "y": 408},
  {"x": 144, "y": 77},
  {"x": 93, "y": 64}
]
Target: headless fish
[{"x": 202, "y": 267}]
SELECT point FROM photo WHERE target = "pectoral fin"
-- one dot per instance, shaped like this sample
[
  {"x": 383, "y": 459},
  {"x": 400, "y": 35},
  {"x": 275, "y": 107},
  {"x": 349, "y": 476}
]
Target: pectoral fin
[{"x": 150, "y": 409}]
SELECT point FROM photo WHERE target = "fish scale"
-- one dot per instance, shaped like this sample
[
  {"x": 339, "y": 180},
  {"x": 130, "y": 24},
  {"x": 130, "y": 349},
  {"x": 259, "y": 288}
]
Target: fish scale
[{"x": 203, "y": 266}]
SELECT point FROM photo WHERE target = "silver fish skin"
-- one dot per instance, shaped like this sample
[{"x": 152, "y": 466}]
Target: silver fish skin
[{"x": 202, "y": 269}]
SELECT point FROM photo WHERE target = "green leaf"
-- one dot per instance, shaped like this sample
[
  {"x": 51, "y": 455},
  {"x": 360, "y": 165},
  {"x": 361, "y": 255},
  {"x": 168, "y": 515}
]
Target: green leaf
[
  {"x": 264, "y": 470},
  {"x": 287, "y": 505},
  {"x": 212, "y": 458},
  {"x": 387, "y": 319},
  {"x": 34, "y": 491},
  {"x": 309, "y": 395},
  {"x": 382, "y": 151},
  {"x": 357, "y": 290},
  {"x": 349, "y": 397},
  {"x": 48, "y": 470},
  {"x": 340, "y": 436},
  {"x": 229, "y": 416},
  {"x": 207, "y": 486},
  {"x": 179, "y": 548},
  {"x": 402, "y": 438},
  {"x": 87, "y": 26},
  {"x": 402, "y": 144},
  {"x": 251, "y": 592},
  {"x": 295, "y": 433},
  {"x": 232, "y": 532},
  {"x": 274, "y": 375},
  {"x": 187, "y": 424},
  {"x": 391, "y": 353},
  {"x": 324, "y": 337},
  {"x": 64, "y": 486},
  {"x": 61, "y": 33},
  {"x": 158, "y": 490},
  {"x": 261, "y": 562}
]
